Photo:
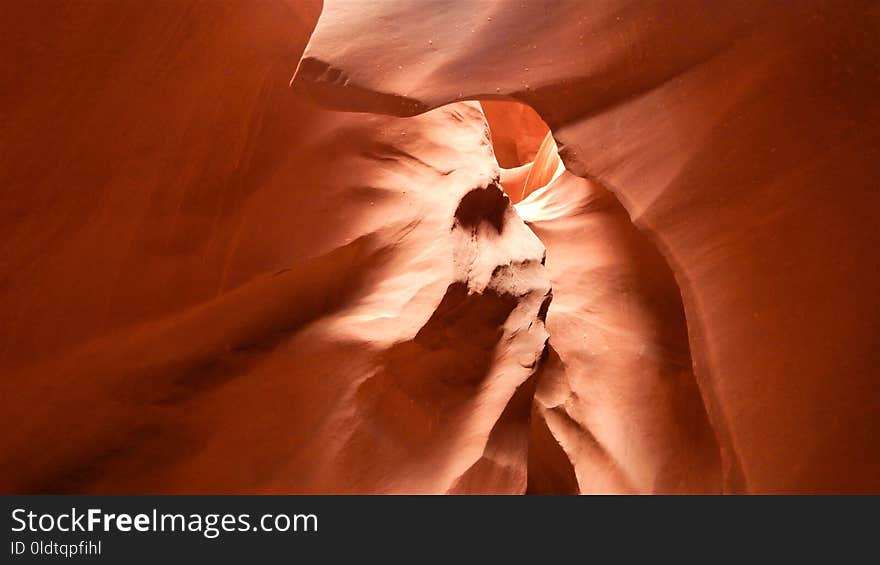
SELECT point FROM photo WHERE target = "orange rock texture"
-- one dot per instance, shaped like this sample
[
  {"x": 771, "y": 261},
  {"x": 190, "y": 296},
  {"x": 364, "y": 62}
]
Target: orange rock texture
[{"x": 471, "y": 247}]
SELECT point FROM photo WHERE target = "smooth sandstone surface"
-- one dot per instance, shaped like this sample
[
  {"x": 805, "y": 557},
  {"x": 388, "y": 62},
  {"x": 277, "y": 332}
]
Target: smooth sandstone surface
[
  {"x": 617, "y": 392},
  {"x": 740, "y": 137},
  {"x": 214, "y": 286},
  {"x": 216, "y": 283}
]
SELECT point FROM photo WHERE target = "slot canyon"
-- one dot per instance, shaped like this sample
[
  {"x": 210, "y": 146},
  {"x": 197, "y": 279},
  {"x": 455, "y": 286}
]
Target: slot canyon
[{"x": 392, "y": 247}]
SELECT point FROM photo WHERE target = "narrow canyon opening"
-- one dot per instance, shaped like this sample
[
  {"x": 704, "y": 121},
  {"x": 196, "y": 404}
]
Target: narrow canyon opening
[{"x": 524, "y": 148}]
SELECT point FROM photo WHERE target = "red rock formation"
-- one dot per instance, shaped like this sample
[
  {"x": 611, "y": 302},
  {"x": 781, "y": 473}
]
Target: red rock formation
[
  {"x": 212, "y": 285},
  {"x": 616, "y": 396},
  {"x": 218, "y": 287},
  {"x": 741, "y": 138}
]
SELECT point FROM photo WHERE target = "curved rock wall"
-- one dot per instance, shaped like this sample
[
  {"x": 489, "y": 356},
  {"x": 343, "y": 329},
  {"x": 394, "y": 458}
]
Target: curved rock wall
[
  {"x": 741, "y": 138},
  {"x": 217, "y": 287}
]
